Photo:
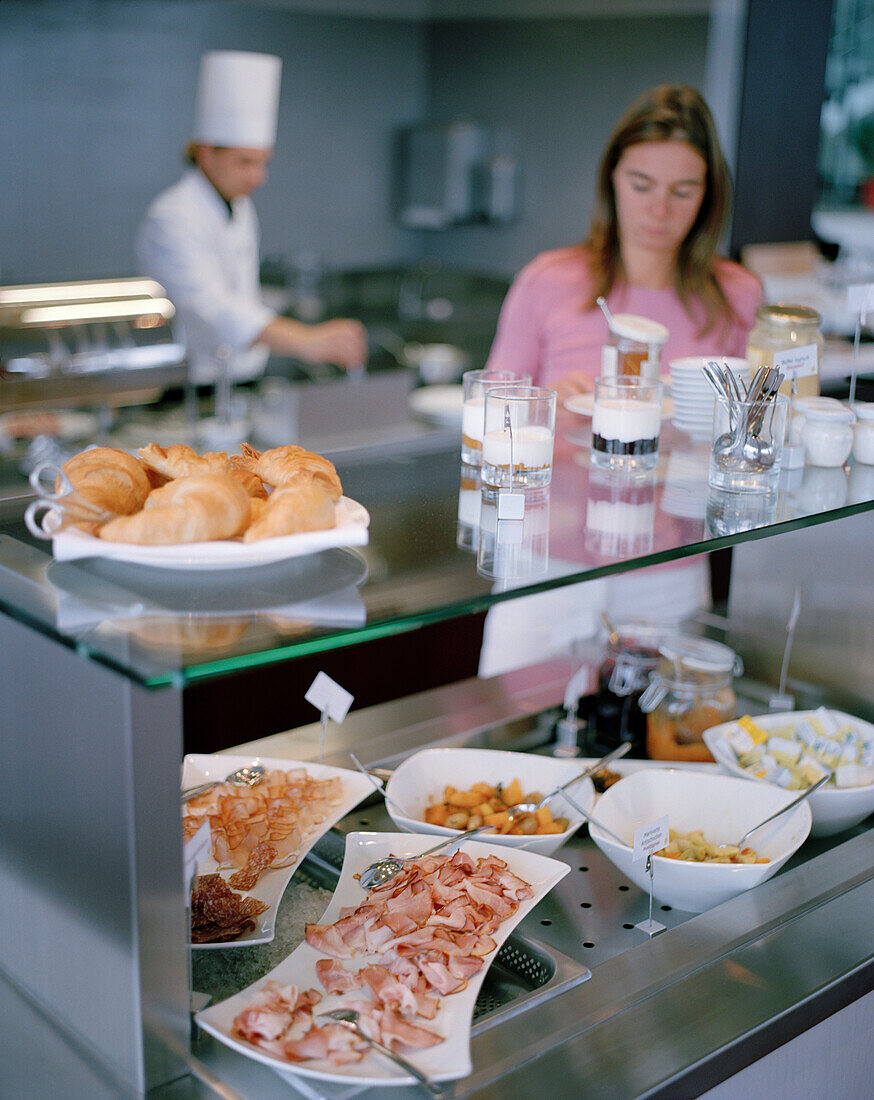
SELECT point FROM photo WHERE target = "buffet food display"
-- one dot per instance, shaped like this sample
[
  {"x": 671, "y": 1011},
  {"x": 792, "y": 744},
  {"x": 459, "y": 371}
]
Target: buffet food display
[{"x": 409, "y": 957}]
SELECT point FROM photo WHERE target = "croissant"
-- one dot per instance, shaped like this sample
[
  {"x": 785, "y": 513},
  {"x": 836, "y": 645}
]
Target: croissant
[
  {"x": 180, "y": 460},
  {"x": 282, "y": 466},
  {"x": 292, "y": 509},
  {"x": 188, "y": 509},
  {"x": 110, "y": 478}
]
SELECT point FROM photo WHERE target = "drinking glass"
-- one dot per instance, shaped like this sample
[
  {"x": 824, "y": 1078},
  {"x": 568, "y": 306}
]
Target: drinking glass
[
  {"x": 626, "y": 421},
  {"x": 518, "y": 437},
  {"x": 474, "y": 385},
  {"x": 747, "y": 447}
]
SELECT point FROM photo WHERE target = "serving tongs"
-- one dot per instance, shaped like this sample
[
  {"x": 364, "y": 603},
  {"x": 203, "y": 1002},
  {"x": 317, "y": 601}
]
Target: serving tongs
[{"x": 58, "y": 504}]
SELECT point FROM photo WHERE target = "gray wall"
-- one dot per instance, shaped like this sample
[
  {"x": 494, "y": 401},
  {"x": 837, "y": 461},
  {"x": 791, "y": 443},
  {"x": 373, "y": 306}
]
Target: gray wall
[
  {"x": 97, "y": 100},
  {"x": 557, "y": 87}
]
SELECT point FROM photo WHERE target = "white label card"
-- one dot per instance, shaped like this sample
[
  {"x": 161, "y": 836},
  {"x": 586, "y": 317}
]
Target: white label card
[
  {"x": 195, "y": 850},
  {"x": 650, "y": 838},
  {"x": 329, "y": 698},
  {"x": 860, "y": 298},
  {"x": 801, "y": 362}
]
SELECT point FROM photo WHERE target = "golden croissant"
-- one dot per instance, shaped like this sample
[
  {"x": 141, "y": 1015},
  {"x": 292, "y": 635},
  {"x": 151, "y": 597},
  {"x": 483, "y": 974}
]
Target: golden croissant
[
  {"x": 292, "y": 509},
  {"x": 188, "y": 509},
  {"x": 180, "y": 460},
  {"x": 110, "y": 478},
  {"x": 283, "y": 466}
]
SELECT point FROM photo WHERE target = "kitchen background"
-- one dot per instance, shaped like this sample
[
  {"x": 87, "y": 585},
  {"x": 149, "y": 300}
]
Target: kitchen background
[{"x": 98, "y": 99}]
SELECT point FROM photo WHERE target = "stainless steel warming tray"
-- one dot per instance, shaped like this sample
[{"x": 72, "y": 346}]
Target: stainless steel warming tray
[{"x": 73, "y": 344}]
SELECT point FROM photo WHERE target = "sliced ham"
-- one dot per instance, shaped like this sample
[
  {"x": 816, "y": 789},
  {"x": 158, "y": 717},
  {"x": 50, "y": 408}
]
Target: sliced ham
[{"x": 336, "y": 978}]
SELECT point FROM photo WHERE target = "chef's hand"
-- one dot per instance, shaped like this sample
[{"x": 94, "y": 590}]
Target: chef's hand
[
  {"x": 572, "y": 384},
  {"x": 341, "y": 342}
]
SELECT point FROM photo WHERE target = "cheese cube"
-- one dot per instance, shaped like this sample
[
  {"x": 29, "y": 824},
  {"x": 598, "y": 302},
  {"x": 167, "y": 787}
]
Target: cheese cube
[
  {"x": 783, "y": 750},
  {"x": 853, "y": 775},
  {"x": 811, "y": 768},
  {"x": 741, "y": 741},
  {"x": 756, "y": 732}
]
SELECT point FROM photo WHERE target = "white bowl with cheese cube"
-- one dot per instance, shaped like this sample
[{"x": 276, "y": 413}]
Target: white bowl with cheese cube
[{"x": 793, "y": 749}]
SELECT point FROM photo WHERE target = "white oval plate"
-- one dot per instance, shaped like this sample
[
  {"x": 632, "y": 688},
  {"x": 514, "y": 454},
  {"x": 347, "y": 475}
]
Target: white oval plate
[
  {"x": 446, "y": 1061},
  {"x": 352, "y": 522},
  {"x": 201, "y": 768}
]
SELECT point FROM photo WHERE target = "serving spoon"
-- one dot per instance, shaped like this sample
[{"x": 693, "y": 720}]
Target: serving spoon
[
  {"x": 250, "y": 775},
  {"x": 348, "y": 1017},
  {"x": 386, "y": 868},
  {"x": 789, "y": 805},
  {"x": 532, "y": 807}
]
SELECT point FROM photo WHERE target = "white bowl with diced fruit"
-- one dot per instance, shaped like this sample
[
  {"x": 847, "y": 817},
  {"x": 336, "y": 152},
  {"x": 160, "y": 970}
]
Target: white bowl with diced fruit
[
  {"x": 420, "y": 785},
  {"x": 794, "y": 749}
]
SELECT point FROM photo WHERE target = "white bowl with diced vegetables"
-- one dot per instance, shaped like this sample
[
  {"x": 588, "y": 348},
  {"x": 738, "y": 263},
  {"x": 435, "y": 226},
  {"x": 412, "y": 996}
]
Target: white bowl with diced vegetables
[{"x": 794, "y": 749}]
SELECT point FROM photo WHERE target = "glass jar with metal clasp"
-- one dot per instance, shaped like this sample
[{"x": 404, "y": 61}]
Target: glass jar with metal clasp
[
  {"x": 629, "y": 654},
  {"x": 691, "y": 690}
]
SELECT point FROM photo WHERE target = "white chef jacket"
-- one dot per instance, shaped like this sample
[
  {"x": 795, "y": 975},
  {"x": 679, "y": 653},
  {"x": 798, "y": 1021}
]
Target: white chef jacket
[{"x": 207, "y": 261}]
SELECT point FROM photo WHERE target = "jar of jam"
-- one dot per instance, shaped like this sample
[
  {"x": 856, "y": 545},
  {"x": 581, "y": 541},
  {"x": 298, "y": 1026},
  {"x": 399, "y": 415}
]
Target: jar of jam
[
  {"x": 631, "y": 653},
  {"x": 634, "y": 347},
  {"x": 690, "y": 691}
]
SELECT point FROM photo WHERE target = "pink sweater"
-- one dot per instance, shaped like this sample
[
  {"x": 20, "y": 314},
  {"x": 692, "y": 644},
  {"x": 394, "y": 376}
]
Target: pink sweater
[{"x": 544, "y": 330}]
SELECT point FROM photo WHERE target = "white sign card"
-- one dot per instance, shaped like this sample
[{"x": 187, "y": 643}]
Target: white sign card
[
  {"x": 800, "y": 362},
  {"x": 649, "y": 839},
  {"x": 860, "y": 298},
  {"x": 328, "y": 697},
  {"x": 194, "y": 851}
]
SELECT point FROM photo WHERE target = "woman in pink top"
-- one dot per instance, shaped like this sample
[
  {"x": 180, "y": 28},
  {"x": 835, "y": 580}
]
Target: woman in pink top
[{"x": 662, "y": 205}]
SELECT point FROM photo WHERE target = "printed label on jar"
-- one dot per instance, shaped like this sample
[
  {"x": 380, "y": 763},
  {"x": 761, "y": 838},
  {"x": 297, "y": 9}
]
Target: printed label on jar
[{"x": 797, "y": 362}]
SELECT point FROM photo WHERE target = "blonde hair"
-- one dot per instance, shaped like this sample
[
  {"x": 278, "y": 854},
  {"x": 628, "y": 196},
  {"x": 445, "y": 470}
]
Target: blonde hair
[{"x": 669, "y": 112}]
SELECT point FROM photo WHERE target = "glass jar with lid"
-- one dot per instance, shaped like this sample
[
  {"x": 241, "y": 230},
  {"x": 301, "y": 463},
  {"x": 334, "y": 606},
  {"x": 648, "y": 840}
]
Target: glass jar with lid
[
  {"x": 691, "y": 690},
  {"x": 787, "y": 337},
  {"x": 634, "y": 346},
  {"x": 629, "y": 655}
]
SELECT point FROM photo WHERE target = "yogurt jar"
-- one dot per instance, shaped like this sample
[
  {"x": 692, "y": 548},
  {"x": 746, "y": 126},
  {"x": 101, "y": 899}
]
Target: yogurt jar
[
  {"x": 800, "y": 405},
  {"x": 863, "y": 433},
  {"x": 827, "y": 435}
]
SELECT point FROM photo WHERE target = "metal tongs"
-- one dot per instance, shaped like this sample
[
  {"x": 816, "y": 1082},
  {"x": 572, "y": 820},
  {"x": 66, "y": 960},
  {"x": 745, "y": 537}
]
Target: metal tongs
[{"x": 58, "y": 504}]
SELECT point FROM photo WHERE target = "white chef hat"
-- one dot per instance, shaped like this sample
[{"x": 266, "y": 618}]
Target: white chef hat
[{"x": 237, "y": 99}]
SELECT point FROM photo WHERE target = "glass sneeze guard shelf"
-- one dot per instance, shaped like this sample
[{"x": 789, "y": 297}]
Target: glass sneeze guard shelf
[{"x": 161, "y": 627}]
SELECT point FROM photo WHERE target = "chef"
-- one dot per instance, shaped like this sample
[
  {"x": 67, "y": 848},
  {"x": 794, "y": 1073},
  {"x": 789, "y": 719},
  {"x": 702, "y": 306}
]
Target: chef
[{"x": 200, "y": 237}]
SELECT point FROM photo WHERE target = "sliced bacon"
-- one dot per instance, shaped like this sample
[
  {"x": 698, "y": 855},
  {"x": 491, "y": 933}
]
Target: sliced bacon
[
  {"x": 427, "y": 931},
  {"x": 336, "y": 978}
]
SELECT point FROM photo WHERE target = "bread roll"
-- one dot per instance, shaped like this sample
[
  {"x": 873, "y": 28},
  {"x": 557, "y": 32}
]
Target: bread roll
[
  {"x": 293, "y": 509},
  {"x": 110, "y": 478},
  {"x": 188, "y": 509}
]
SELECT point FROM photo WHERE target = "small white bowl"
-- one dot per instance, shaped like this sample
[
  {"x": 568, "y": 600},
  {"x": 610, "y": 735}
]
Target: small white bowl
[
  {"x": 420, "y": 779},
  {"x": 833, "y": 809},
  {"x": 723, "y": 808}
]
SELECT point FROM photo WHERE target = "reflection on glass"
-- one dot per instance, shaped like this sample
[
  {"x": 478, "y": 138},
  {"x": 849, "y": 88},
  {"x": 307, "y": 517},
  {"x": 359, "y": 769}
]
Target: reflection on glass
[
  {"x": 730, "y": 513},
  {"x": 514, "y": 549},
  {"x": 620, "y": 515},
  {"x": 821, "y": 489},
  {"x": 685, "y": 492},
  {"x": 467, "y": 532},
  {"x": 861, "y": 486}
]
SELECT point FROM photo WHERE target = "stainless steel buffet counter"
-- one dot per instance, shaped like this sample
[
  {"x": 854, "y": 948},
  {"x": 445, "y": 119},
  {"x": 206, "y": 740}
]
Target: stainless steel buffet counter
[{"x": 94, "y": 969}]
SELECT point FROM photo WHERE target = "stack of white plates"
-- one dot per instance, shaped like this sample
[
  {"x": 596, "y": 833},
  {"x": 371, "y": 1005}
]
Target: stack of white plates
[{"x": 693, "y": 395}]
